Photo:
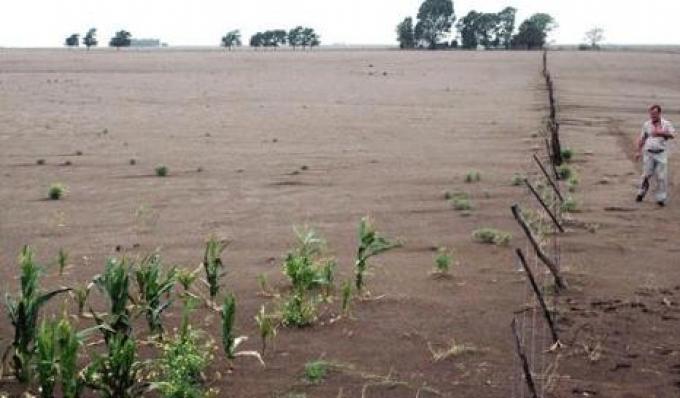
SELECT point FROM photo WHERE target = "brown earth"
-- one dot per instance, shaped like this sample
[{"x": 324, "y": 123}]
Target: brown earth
[{"x": 383, "y": 133}]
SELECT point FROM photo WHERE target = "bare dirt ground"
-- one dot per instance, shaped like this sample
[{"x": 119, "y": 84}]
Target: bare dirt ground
[{"x": 383, "y": 133}]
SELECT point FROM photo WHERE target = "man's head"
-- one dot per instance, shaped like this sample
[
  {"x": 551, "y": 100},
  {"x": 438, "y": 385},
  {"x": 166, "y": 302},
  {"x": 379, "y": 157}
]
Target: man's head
[{"x": 655, "y": 113}]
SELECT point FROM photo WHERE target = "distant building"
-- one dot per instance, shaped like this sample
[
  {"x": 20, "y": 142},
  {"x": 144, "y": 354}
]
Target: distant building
[{"x": 147, "y": 43}]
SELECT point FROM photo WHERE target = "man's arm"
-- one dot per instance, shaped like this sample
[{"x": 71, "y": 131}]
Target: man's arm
[
  {"x": 640, "y": 143},
  {"x": 668, "y": 132}
]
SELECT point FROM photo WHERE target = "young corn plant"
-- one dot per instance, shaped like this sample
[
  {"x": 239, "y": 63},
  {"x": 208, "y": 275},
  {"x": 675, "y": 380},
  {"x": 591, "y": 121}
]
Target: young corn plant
[
  {"x": 230, "y": 343},
  {"x": 23, "y": 313},
  {"x": 213, "y": 266},
  {"x": 346, "y": 297},
  {"x": 371, "y": 243},
  {"x": 299, "y": 310},
  {"x": 62, "y": 259},
  {"x": 267, "y": 325},
  {"x": 114, "y": 282},
  {"x": 154, "y": 285},
  {"x": 46, "y": 359},
  {"x": 80, "y": 294},
  {"x": 116, "y": 373}
]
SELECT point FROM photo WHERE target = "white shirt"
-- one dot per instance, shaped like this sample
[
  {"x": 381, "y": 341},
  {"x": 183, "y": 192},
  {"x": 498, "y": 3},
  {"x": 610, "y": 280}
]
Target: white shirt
[{"x": 656, "y": 143}]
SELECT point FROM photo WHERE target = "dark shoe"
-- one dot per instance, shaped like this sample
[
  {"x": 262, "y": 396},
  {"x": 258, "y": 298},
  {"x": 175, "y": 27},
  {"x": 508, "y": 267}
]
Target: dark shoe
[{"x": 639, "y": 198}]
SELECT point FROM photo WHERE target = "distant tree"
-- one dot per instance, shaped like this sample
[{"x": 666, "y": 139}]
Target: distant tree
[
  {"x": 406, "y": 34},
  {"x": 232, "y": 39},
  {"x": 533, "y": 32},
  {"x": 435, "y": 18},
  {"x": 73, "y": 40},
  {"x": 295, "y": 36},
  {"x": 90, "y": 39},
  {"x": 594, "y": 36},
  {"x": 279, "y": 37},
  {"x": 310, "y": 38},
  {"x": 121, "y": 39},
  {"x": 467, "y": 26},
  {"x": 506, "y": 25},
  {"x": 257, "y": 40}
]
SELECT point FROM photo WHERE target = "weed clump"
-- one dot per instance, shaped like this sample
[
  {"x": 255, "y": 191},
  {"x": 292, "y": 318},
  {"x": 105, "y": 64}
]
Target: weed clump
[
  {"x": 567, "y": 154},
  {"x": 569, "y": 205},
  {"x": 473, "y": 176},
  {"x": 443, "y": 260},
  {"x": 564, "y": 172},
  {"x": 315, "y": 371},
  {"x": 492, "y": 236},
  {"x": 56, "y": 191},
  {"x": 517, "y": 180},
  {"x": 161, "y": 171}
]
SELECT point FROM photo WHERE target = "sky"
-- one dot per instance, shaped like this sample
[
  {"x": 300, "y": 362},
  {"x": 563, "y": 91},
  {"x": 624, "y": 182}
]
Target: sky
[{"x": 46, "y": 23}]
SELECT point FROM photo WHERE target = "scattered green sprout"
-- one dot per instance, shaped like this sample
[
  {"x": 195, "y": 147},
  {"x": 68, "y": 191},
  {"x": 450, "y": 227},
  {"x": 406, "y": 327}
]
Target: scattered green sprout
[
  {"x": 567, "y": 154},
  {"x": 115, "y": 374},
  {"x": 266, "y": 324},
  {"x": 23, "y": 312},
  {"x": 228, "y": 317},
  {"x": 443, "y": 261},
  {"x": 114, "y": 283},
  {"x": 263, "y": 283},
  {"x": 161, "y": 171},
  {"x": 517, "y": 180},
  {"x": 315, "y": 371},
  {"x": 473, "y": 176},
  {"x": 299, "y": 310},
  {"x": 186, "y": 277},
  {"x": 573, "y": 182},
  {"x": 153, "y": 285},
  {"x": 569, "y": 205},
  {"x": 56, "y": 191},
  {"x": 564, "y": 172},
  {"x": 80, "y": 294},
  {"x": 461, "y": 204},
  {"x": 62, "y": 259},
  {"x": 212, "y": 264},
  {"x": 492, "y": 236},
  {"x": 371, "y": 243}
]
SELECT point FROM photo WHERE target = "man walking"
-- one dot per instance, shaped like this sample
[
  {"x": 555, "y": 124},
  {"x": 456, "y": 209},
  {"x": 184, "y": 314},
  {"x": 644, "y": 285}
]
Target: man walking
[{"x": 652, "y": 147}]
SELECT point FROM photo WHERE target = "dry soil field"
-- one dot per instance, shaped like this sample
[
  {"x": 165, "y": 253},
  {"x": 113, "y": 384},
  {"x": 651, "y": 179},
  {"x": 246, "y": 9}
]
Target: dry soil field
[{"x": 257, "y": 142}]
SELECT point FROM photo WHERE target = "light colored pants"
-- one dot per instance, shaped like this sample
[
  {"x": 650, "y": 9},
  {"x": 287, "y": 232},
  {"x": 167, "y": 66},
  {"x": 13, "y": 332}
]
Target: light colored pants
[{"x": 655, "y": 164}]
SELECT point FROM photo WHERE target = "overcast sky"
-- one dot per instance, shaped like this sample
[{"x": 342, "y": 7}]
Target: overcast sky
[{"x": 43, "y": 23}]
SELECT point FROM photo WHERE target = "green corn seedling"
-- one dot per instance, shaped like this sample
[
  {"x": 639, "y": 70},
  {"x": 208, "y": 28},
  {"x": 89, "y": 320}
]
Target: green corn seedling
[
  {"x": 298, "y": 310},
  {"x": 212, "y": 264},
  {"x": 266, "y": 324},
  {"x": 116, "y": 373},
  {"x": 23, "y": 312},
  {"x": 154, "y": 285},
  {"x": 46, "y": 359},
  {"x": 114, "y": 282},
  {"x": 62, "y": 259},
  {"x": 80, "y": 294},
  {"x": 228, "y": 317},
  {"x": 370, "y": 244},
  {"x": 346, "y": 297}
]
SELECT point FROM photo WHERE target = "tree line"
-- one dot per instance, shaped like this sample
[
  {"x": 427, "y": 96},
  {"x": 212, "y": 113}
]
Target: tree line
[
  {"x": 296, "y": 37},
  {"x": 489, "y": 30}
]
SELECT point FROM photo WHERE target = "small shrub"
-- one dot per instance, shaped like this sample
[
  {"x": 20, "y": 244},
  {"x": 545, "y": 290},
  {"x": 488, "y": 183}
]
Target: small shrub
[
  {"x": 492, "y": 236},
  {"x": 161, "y": 171},
  {"x": 315, "y": 371},
  {"x": 56, "y": 191},
  {"x": 461, "y": 204},
  {"x": 40, "y": 162},
  {"x": 564, "y": 172},
  {"x": 517, "y": 180},
  {"x": 473, "y": 176},
  {"x": 298, "y": 311},
  {"x": 116, "y": 373},
  {"x": 569, "y": 205},
  {"x": 572, "y": 183},
  {"x": 567, "y": 154},
  {"x": 443, "y": 261},
  {"x": 133, "y": 162},
  {"x": 62, "y": 259},
  {"x": 79, "y": 153}
]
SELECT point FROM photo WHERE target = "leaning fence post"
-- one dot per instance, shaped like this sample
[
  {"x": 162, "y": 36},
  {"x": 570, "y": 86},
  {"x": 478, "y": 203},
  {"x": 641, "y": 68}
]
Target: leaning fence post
[
  {"x": 539, "y": 296},
  {"x": 545, "y": 207},
  {"x": 559, "y": 282},
  {"x": 525, "y": 362},
  {"x": 547, "y": 177}
]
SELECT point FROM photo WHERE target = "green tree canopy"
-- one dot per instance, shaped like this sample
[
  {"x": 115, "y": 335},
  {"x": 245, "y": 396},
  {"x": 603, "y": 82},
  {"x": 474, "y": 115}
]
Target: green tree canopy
[
  {"x": 435, "y": 18},
  {"x": 231, "y": 39},
  {"x": 491, "y": 30},
  {"x": 73, "y": 40},
  {"x": 121, "y": 39},
  {"x": 90, "y": 39},
  {"x": 406, "y": 34},
  {"x": 533, "y": 32}
]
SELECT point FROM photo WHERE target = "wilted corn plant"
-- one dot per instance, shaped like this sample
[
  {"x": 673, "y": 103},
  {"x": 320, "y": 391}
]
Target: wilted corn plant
[
  {"x": 212, "y": 264},
  {"x": 153, "y": 284},
  {"x": 267, "y": 325},
  {"x": 114, "y": 282},
  {"x": 80, "y": 295},
  {"x": 370, "y": 244},
  {"x": 117, "y": 373},
  {"x": 230, "y": 343},
  {"x": 23, "y": 313},
  {"x": 346, "y": 297}
]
